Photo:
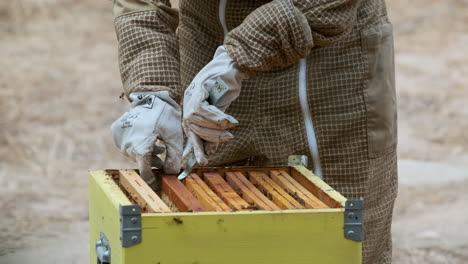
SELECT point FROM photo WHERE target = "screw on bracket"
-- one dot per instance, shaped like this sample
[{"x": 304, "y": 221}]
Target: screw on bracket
[
  {"x": 130, "y": 225},
  {"x": 353, "y": 216},
  {"x": 103, "y": 249},
  {"x": 294, "y": 160}
]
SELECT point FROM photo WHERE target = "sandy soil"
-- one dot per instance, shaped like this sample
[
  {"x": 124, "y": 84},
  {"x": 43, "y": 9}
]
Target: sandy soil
[{"x": 59, "y": 93}]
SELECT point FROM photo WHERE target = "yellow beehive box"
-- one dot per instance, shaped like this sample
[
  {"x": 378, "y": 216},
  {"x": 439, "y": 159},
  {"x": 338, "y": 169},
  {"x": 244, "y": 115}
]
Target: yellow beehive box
[{"x": 241, "y": 215}]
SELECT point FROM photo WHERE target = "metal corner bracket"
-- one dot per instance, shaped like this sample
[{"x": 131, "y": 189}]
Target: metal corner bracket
[
  {"x": 294, "y": 160},
  {"x": 354, "y": 210},
  {"x": 130, "y": 225},
  {"x": 103, "y": 250}
]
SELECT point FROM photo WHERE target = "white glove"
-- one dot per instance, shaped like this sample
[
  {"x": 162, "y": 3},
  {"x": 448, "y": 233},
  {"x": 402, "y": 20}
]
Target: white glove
[
  {"x": 206, "y": 99},
  {"x": 152, "y": 116}
]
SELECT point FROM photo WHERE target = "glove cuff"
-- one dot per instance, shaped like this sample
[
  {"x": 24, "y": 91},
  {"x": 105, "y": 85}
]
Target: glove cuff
[
  {"x": 222, "y": 54},
  {"x": 146, "y": 99}
]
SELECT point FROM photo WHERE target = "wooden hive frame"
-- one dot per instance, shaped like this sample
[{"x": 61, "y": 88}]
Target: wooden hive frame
[
  {"x": 228, "y": 189},
  {"x": 207, "y": 229}
]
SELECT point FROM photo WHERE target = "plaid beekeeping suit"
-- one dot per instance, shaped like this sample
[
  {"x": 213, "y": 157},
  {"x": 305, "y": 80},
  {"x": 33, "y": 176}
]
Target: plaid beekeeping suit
[{"x": 322, "y": 85}]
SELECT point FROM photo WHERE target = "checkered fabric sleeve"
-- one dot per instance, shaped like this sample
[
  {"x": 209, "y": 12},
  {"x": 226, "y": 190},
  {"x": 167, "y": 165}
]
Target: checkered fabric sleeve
[
  {"x": 281, "y": 32},
  {"x": 148, "y": 47},
  {"x": 275, "y": 34},
  {"x": 330, "y": 21}
]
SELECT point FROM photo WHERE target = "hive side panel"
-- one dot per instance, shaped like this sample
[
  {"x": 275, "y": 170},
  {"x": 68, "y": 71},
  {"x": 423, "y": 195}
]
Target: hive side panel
[
  {"x": 104, "y": 217},
  {"x": 258, "y": 237}
]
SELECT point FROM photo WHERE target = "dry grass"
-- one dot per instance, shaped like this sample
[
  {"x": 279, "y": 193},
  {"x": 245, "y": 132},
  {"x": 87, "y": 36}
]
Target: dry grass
[
  {"x": 60, "y": 87},
  {"x": 432, "y": 65},
  {"x": 59, "y": 93}
]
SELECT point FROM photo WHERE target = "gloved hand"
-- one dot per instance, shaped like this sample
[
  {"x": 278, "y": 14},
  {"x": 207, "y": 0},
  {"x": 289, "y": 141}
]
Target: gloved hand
[
  {"x": 206, "y": 99},
  {"x": 152, "y": 116}
]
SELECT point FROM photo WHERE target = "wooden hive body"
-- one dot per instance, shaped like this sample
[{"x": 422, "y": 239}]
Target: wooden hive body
[{"x": 223, "y": 215}]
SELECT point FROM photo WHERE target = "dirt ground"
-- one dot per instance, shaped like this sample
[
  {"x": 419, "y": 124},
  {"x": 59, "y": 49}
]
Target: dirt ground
[{"x": 59, "y": 93}]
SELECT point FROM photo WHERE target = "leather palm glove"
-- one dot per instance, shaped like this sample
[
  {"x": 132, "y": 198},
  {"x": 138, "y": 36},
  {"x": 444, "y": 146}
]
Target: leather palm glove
[
  {"x": 206, "y": 99},
  {"x": 152, "y": 116}
]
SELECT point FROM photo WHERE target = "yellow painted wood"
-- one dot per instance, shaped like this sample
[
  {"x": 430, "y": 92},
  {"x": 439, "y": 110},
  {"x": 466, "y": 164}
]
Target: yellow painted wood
[
  {"x": 257, "y": 237},
  {"x": 104, "y": 199},
  {"x": 248, "y": 237}
]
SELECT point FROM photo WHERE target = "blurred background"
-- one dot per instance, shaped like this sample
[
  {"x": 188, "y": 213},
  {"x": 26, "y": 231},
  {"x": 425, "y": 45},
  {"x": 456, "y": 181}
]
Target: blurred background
[{"x": 59, "y": 93}]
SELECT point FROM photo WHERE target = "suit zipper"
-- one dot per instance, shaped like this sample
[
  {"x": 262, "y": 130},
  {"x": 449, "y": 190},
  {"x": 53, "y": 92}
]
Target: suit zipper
[
  {"x": 308, "y": 122},
  {"x": 222, "y": 15}
]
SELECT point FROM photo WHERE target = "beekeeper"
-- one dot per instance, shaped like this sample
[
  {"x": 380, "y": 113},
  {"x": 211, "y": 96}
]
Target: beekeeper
[{"x": 310, "y": 77}]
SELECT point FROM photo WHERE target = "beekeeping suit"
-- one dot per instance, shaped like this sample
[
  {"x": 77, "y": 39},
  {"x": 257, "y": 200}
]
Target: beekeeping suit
[{"x": 317, "y": 79}]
